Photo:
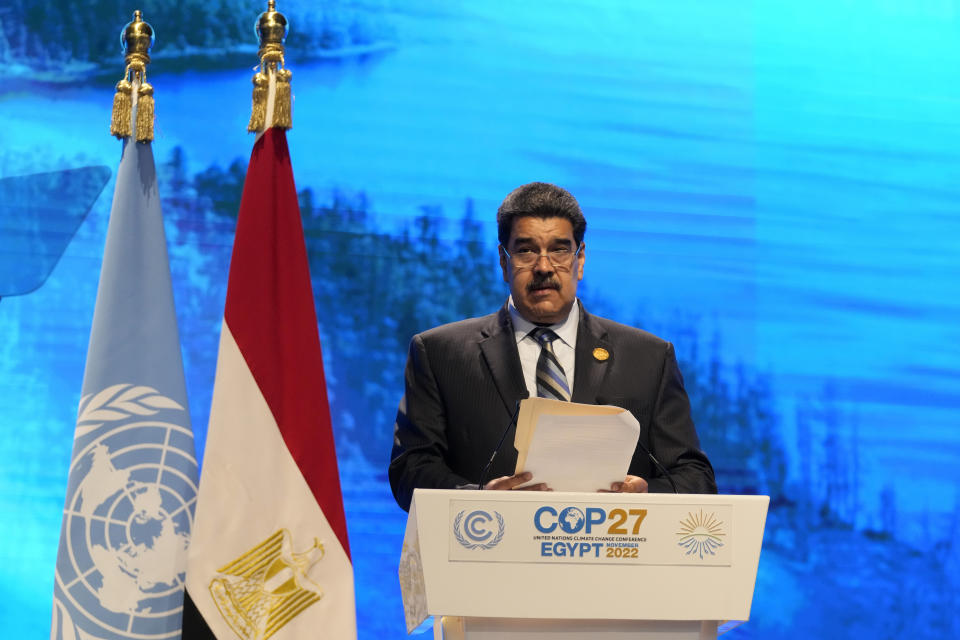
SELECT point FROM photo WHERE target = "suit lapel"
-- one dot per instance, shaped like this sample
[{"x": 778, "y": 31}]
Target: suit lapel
[
  {"x": 499, "y": 348},
  {"x": 594, "y": 355}
]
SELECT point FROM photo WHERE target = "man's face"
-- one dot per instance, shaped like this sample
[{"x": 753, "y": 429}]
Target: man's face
[{"x": 543, "y": 293}]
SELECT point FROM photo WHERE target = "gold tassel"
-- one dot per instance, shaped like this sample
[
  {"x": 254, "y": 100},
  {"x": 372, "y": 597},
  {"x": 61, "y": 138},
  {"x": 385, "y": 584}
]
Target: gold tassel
[
  {"x": 145, "y": 113},
  {"x": 258, "y": 115},
  {"x": 121, "y": 120},
  {"x": 282, "y": 107}
]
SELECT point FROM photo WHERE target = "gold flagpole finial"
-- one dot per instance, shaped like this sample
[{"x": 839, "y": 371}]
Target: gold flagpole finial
[
  {"x": 272, "y": 30},
  {"x": 136, "y": 40}
]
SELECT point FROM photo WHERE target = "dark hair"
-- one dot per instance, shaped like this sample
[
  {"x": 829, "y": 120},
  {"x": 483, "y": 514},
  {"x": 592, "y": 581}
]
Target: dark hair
[{"x": 540, "y": 200}]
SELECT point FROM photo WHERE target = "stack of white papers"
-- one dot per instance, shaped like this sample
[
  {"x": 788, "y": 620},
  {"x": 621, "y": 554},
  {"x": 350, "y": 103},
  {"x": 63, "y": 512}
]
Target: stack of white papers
[{"x": 574, "y": 447}]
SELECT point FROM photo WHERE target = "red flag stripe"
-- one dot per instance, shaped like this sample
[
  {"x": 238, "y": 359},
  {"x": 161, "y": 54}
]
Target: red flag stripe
[{"x": 270, "y": 313}]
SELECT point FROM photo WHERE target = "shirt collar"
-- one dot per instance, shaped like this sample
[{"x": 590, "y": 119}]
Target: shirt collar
[{"x": 566, "y": 330}]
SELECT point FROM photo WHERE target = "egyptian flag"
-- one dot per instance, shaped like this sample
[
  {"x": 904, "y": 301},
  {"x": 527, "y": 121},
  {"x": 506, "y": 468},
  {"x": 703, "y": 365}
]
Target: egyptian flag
[{"x": 269, "y": 554}]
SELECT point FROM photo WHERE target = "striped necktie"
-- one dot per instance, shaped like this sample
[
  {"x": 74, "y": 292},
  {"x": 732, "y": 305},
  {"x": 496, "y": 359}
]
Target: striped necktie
[{"x": 551, "y": 380}]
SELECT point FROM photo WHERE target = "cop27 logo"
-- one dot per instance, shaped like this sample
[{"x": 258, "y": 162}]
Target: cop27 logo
[
  {"x": 476, "y": 530},
  {"x": 572, "y": 520}
]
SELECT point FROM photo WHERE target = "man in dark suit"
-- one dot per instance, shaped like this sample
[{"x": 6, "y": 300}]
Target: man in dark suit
[{"x": 463, "y": 380}]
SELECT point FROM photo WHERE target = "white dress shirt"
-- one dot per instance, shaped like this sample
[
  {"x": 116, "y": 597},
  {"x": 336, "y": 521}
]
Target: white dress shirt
[{"x": 564, "y": 348}]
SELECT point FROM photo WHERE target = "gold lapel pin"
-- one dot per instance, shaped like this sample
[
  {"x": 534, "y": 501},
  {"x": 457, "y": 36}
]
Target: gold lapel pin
[{"x": 600, "y": 354}]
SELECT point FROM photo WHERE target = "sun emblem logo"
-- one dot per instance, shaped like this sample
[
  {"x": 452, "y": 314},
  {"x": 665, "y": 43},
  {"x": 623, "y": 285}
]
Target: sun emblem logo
[{"x": 701, "y": 534}]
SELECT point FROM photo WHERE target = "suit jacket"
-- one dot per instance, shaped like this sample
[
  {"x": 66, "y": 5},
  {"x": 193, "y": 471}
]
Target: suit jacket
[{"x": 463, "y": 381}]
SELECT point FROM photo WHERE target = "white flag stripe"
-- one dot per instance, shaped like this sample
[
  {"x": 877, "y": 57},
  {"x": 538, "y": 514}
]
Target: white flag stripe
[{"x": 248, "y": 470}]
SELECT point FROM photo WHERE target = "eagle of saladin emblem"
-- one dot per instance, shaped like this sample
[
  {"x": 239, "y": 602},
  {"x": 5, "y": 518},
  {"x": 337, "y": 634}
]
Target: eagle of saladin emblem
[{"x": 267, "y": 587}]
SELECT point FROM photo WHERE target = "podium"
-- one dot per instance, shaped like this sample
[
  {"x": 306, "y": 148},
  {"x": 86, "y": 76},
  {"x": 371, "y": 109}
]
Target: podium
[{"x": 498, "y": 565}]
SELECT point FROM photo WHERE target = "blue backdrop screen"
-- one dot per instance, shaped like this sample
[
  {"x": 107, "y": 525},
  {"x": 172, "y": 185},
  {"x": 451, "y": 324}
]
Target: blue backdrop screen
[{"x": 770, "y": 186}]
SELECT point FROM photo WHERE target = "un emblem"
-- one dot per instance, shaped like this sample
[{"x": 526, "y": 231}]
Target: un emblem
[
  {"x": 476, "y": 530},
  {"x": 127, "y": 519}
]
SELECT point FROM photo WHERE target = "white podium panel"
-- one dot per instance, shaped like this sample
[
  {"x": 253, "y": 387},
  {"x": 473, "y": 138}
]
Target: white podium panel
[
  {"x": 456, "y": 628},
  {"x": 547, "y": 557}
]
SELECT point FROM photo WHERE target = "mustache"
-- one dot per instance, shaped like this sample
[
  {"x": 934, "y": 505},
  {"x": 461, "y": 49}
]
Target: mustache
[{"x": 547, "y": 282}]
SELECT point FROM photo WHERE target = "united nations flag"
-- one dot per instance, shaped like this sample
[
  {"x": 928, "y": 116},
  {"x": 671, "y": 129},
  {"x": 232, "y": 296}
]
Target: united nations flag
[{"x": 132, "y": 487}]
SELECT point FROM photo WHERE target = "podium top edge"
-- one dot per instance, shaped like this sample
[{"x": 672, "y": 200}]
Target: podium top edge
[{"x": 583, "y": 496}]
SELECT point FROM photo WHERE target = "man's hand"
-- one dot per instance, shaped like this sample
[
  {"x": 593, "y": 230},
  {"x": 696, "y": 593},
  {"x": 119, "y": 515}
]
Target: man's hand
[
  {"x": 631, "y": 484},
  {"x": 506, "y": 483}
]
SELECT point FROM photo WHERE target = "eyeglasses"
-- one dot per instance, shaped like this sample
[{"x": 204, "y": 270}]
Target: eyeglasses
[{"x": 524, "y": 258}]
